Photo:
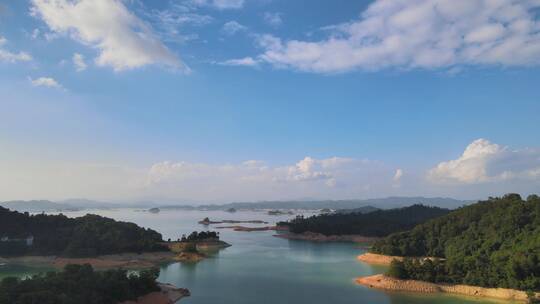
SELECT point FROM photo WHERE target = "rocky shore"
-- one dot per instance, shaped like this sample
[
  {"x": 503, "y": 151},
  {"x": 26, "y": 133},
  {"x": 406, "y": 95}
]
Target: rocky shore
[
  {"x": 318, "y": 237},
  {"x": 381, "y": 281}
]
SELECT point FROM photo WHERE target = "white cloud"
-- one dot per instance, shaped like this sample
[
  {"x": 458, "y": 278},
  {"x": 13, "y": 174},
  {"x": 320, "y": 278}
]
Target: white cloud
[
  {"x": 233, "y": 27},
  {"x": 45, "y": 82},
  {"x": 273, "y": 19},
  {"x": 123, "y": 40},
  {"x": 220, "y": 4},
  {"x": 246, "y": 61},
  {"x": 78, "y": 61},
  {"x": 483, "y": 161},
  {"x": 420, "y": 34},
  {"x": 11, "y": 57}
]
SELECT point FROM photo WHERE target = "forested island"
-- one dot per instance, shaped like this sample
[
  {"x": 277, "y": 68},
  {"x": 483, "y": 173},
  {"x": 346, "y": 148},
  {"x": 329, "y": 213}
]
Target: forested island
[
  {"x": 378, "y": 223},
  {"x": 59, "y": 235},
  {"x": 493, "y": 243},
  {"x": 82, "y": 285}
]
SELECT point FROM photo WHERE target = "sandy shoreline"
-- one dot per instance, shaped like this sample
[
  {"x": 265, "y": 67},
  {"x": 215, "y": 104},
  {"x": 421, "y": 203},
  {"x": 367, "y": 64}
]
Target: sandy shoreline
[
  {"x": 377, "y": 259},
  {"x": 381, "y": 281},
  {"x": 124, "y": 260},
  {"x": 318, "y": 237}
]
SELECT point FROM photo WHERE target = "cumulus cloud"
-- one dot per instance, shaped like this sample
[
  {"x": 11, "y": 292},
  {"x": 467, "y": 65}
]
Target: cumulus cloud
[
  {"x": 233, "y": 27},
  {"x": 419, "y": 34},
  {"x": 483, "y": 161},
  {"x": 45, "y": 82},
  {"x": 124, "y": 41},
  {"x": 220, "y": 4},
  {"x": 78, "y": 61},
  {"x": 273, "y": 19},
  {"x": 7, "y": 56}
]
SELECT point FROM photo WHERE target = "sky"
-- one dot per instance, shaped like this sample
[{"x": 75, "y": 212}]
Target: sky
[{"x": 250, "y": 100}]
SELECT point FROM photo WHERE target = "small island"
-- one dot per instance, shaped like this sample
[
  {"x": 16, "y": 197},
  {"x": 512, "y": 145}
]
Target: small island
[
  {"x": 196, "y": 246},
  {"x": 206, "y": 221}
]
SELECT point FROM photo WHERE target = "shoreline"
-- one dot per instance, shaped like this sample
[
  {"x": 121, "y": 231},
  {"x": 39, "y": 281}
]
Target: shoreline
[
  {"x": 381, "y": 281},
  {"x": 169, "y": 294},
  {"x": 377, "y": 259},
  {"x": 318, "y": 237},
  {"x": 123, "y": 260}
]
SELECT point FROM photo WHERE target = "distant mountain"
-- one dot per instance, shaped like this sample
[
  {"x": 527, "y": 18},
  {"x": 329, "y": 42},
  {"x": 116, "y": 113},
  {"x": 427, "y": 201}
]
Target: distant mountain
[
  {"x": 37, "y": 206},
  {"x": 69, "y": 205},
  {"x": 389, "y": 202},
  {"x": 363, "y": 210}
]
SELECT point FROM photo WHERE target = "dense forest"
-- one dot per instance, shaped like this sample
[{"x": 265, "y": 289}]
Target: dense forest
[
  {"x": 85, "y": 236},
  {"x": 79, "y": 284},
  {"x": 493, "y": 243},
  {"x": 374, "y": 224}
]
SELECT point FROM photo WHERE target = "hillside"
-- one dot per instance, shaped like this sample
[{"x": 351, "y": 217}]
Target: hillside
[
  {"x": 493, "y": 243},
  {"x": 90, "y": 235},
  {"x": 79, "y": 284},
  {"x": 374, "y": 224}
]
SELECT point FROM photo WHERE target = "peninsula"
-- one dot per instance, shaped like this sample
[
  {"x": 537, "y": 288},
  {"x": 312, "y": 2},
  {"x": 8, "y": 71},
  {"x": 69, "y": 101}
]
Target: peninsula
[{"x": 487, "y": 249}]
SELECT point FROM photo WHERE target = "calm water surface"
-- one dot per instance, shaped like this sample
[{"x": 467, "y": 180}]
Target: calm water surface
[{"x": 260, "y": 268}]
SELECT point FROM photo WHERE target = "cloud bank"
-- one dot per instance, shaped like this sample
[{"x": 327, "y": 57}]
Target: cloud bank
[
  {"x": 424, "y": 34},
  {"x": 484, "y": 169}
]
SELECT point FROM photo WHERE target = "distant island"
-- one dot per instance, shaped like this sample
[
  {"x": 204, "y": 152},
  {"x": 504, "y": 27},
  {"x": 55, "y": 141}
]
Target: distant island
[
  {"x": 492, "y": 244},
  {"x": 374, "y": 224},
  {"x": 81, "y": 284},
  {"x": 389, "y": 202}
]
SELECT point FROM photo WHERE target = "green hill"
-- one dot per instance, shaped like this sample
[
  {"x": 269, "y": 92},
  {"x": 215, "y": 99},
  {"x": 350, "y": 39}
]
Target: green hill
[
  {"x": 493, "y": 243},
  {"x": 378, "y": 223}
]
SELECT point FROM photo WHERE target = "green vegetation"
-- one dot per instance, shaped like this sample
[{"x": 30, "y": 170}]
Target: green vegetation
[
  {"x": 201, "y": 236},
  {"x": 494, "y": 243},
  {"x": 79, "y": 284},
  {"x": 86, "y": 236},
  {"x": 374, "y": 224}
]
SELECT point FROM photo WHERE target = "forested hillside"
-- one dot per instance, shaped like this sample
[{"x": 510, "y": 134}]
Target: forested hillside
[
  {"x": 85, "y": 236},
  {"x": 494, "y": 243},
  {"x": 374, "y": 224},
  {"x": 79, "y": 284}
]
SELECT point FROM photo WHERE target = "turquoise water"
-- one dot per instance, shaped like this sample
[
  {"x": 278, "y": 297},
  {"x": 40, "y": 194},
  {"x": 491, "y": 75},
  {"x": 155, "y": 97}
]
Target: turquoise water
[{"x": 260, "y": 268}]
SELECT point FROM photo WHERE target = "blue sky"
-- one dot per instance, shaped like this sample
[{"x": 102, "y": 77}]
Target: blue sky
[{"x": 169, "y": 99}]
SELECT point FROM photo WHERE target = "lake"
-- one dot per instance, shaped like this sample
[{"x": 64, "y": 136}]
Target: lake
[{"x": 260, "y": 268}]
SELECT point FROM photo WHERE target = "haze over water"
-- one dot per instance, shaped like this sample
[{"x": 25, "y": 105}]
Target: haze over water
[{"x": 260, "y": 268}]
